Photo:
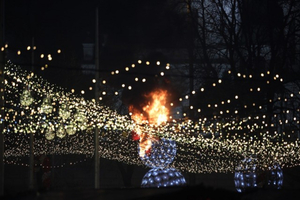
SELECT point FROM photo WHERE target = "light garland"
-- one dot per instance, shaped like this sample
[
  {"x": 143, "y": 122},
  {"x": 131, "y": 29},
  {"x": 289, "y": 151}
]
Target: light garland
[{"x": 63, "y": 123}]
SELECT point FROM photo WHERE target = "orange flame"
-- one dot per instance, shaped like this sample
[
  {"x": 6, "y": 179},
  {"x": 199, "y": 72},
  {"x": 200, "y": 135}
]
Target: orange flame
[{"x": 155, "y": 112}]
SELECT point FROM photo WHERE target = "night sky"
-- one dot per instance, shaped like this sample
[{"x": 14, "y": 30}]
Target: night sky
[
  {"x": 67, "y": 23},
  {"x": 124, "y": 26}
]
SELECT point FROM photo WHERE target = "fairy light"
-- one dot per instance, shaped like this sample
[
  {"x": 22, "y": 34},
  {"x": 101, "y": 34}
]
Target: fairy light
[
  {"x": 168, "y": 66},
  {"x": 220, "y": 154}
]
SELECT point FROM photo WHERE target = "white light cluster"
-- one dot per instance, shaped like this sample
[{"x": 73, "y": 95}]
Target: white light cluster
[{"x": 64, "y": 123}]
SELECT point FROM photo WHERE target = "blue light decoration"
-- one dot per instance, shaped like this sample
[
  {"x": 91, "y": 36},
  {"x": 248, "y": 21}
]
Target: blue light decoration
[
  {"x": 249, "y": 176},
  {"x": 159, "y": 157},
  {"x": 275, "y": 178},
  {"x": 245, "y": 175},
  {"x": 159, "y": 177},
  {"x": 161, "y": 154}
]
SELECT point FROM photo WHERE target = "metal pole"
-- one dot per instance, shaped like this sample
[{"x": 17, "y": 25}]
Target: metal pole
[
  {"x": 97, "y": 158},
  {"x": 2, "y": 111},
  {"x": 31, "y": 136}
]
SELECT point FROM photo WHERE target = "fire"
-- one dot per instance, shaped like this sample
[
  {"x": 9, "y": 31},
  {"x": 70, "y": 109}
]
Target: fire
[
  {"x": 154, "y": 112},
  {"x": 157, "y": 111}
]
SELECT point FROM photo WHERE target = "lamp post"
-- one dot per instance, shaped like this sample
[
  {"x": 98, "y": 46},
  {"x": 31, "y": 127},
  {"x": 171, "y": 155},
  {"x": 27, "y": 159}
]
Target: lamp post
[
  {"x": 31, "y": 136},
  {"x": 97, "y": 158}
]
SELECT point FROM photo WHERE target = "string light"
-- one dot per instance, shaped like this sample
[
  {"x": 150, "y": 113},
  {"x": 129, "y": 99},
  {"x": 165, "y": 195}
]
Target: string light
[{"x": 204, "y": 146}]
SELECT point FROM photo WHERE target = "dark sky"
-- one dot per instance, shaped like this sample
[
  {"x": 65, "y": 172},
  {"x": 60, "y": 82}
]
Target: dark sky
[
  {"x": 65, "y": 22},
  {"x": 53, "y": 23}
]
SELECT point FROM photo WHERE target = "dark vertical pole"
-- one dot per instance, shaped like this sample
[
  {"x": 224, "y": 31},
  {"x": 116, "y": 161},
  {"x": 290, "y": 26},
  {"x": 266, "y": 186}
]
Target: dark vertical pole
[
  {"x": 97, "y": 158},
  {"x": 2, "y": 112},
  {"x": 31, "y": 136},
  {"x": 191, "y": 57}
]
